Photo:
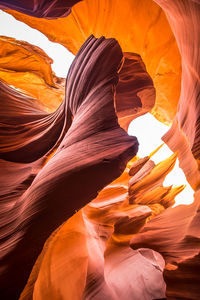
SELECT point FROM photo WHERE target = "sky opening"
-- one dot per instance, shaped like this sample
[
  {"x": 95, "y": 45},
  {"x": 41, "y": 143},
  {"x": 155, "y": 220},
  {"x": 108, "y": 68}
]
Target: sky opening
[{"x": 149, "y": 132}]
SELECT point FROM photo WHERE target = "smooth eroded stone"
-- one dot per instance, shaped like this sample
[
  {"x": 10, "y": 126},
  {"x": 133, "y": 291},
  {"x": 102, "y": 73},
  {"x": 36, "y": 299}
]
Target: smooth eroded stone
[{"x": 92, "y": 145}]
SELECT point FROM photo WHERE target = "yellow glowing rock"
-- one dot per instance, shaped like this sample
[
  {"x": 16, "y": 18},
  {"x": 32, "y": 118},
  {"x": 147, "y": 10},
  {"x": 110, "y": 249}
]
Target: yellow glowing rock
[
  {"x": 28, "y": 68},
  {"x": 139, "y": 26}
]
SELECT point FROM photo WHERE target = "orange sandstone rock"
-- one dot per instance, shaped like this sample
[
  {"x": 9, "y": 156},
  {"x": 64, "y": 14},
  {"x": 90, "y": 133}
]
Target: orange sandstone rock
[
  {"x": 28, "y": 68},
  {"x": 184, "y": 134},
  {"x": 104, "y": 229},
  {"x": 139, "y": 26},
  {"x": 91, "y": 145}
]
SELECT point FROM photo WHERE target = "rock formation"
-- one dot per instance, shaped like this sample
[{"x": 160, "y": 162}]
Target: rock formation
[
  {"x": 82, "y": 217},
  {"x": 99, "y": 150}
]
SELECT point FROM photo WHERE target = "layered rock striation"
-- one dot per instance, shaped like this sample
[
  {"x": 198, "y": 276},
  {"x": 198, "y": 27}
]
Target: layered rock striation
[{"x": 81, "y": 216}]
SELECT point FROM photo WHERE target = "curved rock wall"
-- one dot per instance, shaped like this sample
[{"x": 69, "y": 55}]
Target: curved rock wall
[{"x": 129, "y": 241}]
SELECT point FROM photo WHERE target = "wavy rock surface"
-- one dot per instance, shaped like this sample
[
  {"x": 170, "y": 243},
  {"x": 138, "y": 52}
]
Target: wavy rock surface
[
  {"x": 135, "y": 92},
  {"x": 130, "y": 229},
  {"x": 96, "y": 240},
  {"x": 143, "y": 29},
  {"x": 94, "y": 146},
  {"x": 184, "y": 135},
  {"x": 27, "y": 131},
  {"x": 175, "y": 234}
]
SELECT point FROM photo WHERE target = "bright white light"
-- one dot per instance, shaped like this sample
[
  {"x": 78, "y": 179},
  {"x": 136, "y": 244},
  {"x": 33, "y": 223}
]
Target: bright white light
[
  {"x": 149, "y": 132},
  {"x": 61, "y": 56}
]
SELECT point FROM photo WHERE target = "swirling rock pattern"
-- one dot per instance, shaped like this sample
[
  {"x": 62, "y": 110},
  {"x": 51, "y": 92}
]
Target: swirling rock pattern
[
  {"x": 96, "y": 240},
  {"x": 122, "y": 243},
  {"x": 177, "y": 238},
  {"x": 144, "y": 30},
  {"x": 93, "y": 146},
  {"x": 184, "y": 134}
]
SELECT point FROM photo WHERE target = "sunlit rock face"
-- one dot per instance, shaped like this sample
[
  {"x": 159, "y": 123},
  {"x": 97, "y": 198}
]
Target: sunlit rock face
[
  {"x": 28, "y": 69},
  {"x": 78, "y": 221},
  {"x": 184, "y": 134},
  {"x": 144, "y": 30}
]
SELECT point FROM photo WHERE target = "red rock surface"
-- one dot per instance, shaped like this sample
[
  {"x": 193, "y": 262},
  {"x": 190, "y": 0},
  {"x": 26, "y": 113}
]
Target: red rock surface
[
  {"x": 94, "y": 146},
  {"x": 175, "y": 234},
  {"x": 42, "y": 9},
  {"x": 83, "y": 235},
  {"x": 135, "y": 92},
  {"x": 90, "y": 253}
]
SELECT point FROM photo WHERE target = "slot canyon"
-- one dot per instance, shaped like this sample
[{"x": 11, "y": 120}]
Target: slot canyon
[{"x": 84, "y": 215}]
